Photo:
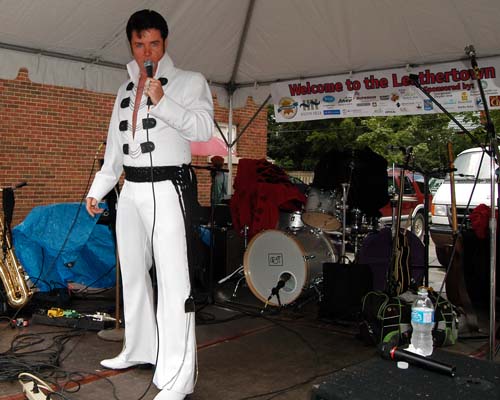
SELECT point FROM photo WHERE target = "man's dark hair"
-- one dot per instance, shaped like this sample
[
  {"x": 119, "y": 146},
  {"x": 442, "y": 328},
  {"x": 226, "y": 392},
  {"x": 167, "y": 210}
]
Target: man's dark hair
[{"x": 144, "y": 20}]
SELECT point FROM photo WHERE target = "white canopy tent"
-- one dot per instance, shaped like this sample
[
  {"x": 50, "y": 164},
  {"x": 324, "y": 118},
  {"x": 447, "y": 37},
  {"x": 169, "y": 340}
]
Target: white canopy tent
[{"x": 242, "y": 46}]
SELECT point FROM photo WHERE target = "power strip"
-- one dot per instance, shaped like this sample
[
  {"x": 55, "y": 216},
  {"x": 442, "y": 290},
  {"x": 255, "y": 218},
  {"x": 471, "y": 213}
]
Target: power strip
[{"x": 28, "y": 391}]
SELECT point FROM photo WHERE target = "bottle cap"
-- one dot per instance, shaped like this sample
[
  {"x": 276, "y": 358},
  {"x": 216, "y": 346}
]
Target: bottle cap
[{"x": 403, "y": 365}]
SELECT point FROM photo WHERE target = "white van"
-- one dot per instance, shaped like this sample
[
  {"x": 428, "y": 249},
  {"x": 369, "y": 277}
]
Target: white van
[{"x": 467, "y": 164}]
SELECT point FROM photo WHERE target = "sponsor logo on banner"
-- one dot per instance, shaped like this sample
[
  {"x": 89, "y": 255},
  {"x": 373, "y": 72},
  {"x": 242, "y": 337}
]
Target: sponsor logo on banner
[
  {"x": 394, "y": 97},
  {"x": 328, "y": 99},
  {"x": 345, "y": 101},
  {"x": 494, "y": 101},
  {"x": 331, "y": 112},
  {"x": 311, "y": 104},
  {"x": 287, "y": 107},
  {"x": 428, "y": 106},
  {"x": 366, "y": 97}
]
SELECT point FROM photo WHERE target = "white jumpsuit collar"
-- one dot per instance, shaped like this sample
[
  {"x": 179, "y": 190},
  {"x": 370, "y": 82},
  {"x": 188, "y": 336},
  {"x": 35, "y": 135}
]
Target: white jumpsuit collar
[{"x": 165, "y": 68}]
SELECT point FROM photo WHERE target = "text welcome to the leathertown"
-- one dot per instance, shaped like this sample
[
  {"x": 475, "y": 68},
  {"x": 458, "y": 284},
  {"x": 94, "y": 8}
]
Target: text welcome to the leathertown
[{"x": 389, "y": 92}]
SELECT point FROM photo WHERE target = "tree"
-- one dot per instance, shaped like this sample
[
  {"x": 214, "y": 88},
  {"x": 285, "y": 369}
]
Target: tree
[{"x": 299, "y": 145}]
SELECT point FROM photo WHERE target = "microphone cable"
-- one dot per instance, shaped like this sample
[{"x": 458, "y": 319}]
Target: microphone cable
[
  {"x": 149, "y": 69},
  {"x": 154, "y": 280}
]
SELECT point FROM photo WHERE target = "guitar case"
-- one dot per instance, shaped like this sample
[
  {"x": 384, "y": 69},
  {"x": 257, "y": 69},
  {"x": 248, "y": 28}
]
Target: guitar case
[
  {"x": 376, "y": 252},
  {"x": 386, "y": 319}
]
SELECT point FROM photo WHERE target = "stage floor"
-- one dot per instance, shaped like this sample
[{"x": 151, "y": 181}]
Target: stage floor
[{"x": 242, "y": 353}]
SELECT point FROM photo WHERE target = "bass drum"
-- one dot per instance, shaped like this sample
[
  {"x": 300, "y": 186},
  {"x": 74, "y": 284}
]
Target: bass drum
[{"x": 294, "y": 257}]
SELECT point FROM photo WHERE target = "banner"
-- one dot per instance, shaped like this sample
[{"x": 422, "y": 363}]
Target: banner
[{"x": 388, "y": 92}]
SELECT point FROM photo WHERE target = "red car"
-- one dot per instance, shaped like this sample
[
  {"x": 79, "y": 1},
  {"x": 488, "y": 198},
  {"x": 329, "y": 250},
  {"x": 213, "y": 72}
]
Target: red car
[{"x": 412, "y": 213}]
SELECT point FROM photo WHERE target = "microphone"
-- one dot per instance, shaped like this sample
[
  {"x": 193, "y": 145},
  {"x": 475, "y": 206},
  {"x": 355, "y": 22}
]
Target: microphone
[
  {"x": 278, "y": 287},
  {"x": 148, "y": 66},
  {"x": 281, "y": 283},
  {"x": 396, "y": 354},
  {"x": 470, "y": 51}
]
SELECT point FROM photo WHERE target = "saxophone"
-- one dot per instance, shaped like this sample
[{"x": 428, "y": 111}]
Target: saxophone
[{"x": 12, "y": 273}]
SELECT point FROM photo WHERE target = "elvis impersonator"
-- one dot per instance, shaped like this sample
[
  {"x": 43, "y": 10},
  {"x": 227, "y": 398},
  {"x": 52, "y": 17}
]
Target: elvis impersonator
[{"x": 155, "y": 116}]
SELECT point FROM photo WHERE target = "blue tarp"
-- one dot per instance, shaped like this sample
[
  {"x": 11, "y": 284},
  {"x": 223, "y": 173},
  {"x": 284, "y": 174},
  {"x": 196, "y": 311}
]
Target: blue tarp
[{"x": 60, "y": 243}]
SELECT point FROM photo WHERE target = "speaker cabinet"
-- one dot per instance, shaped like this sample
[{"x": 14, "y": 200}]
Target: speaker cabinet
[
  {"x": 229, "y": 248},
  {"x": 344, "y": 285}
]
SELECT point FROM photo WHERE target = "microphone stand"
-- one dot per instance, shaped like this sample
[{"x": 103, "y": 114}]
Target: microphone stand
[
  {"x": 117, "y": 333},
  {"x": 210, "y": 272},
  {"x": 493, "y": 153},
  {"x": 426, "y": 174}
]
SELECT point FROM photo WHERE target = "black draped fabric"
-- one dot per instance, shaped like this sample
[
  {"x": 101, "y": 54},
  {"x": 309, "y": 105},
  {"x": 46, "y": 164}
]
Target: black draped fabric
[{"x": 365, "y": 170}]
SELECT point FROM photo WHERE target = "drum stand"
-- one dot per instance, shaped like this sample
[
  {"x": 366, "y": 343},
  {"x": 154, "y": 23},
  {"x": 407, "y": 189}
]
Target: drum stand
[{"x": 345, "y": 191}]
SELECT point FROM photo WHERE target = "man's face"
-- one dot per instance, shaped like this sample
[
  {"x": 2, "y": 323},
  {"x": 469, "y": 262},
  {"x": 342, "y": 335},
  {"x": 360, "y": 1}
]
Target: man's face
[{"x": 147, "y": 45}]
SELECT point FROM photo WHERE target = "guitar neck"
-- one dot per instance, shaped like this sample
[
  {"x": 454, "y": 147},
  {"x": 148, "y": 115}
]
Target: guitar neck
[
  {"x": 454, "y": 221},
  {"x": 400, "y": 199}
]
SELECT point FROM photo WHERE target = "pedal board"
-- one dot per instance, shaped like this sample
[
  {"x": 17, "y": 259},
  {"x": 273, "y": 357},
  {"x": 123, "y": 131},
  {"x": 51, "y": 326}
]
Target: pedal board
[{"x": 86, "y": 323}]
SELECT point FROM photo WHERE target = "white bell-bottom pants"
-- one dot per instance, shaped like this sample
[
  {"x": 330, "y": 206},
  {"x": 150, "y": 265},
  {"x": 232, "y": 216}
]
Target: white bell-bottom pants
[{"x": 176, "y": 358}]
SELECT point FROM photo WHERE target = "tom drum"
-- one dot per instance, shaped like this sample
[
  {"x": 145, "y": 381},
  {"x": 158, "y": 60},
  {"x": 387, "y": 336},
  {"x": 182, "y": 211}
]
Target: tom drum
[
  {"x": 321, "y": 210},
  {"x": 295, "y": 257}
]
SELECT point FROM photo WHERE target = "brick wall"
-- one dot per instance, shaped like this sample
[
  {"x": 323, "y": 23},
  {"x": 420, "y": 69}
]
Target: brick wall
[{"x": 50, "y": 135}]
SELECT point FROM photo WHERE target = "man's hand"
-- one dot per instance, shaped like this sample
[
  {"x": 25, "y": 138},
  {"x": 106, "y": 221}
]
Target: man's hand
[
  {"x": 154, "y": 90},
  {"x": 93, "y": 207}
]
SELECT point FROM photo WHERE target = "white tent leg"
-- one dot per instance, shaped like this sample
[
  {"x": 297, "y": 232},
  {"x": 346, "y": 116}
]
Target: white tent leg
[{"x": 229, "y": 183}]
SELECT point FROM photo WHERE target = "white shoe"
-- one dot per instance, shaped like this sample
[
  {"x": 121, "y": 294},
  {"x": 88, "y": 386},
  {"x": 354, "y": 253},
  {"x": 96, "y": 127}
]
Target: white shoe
[
  {"x": 119, "y": 363},
  {"x": 169, "y": 395}
]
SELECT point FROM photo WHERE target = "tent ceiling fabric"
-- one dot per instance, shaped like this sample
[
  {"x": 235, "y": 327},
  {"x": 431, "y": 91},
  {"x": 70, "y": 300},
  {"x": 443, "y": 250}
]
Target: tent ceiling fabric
[{"x": 286, "y": 39}]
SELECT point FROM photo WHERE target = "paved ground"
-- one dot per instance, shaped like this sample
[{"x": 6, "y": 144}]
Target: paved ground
[{"x": 243, "y": 354}]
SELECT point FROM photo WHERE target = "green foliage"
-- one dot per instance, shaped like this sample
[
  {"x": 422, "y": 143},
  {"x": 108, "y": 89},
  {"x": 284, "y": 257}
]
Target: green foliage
[{"x": 300, "y": 145}]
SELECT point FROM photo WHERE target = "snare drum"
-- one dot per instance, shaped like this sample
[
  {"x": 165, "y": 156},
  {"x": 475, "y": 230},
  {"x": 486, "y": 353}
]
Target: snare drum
[
  {"x": 294, "y": 257},
  {"x": 321, "y": 210}
]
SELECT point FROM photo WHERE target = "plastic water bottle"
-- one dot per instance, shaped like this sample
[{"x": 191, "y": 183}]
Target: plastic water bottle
[{"x": 422, "y": 322}]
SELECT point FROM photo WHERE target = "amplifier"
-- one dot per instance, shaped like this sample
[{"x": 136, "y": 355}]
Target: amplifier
[
  {"x": 229, "y": 248},
  {"x": 344, "y": 285}
]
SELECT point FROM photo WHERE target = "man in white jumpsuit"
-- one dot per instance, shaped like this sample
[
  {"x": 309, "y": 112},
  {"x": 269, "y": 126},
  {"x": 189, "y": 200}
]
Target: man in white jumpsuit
[{"x": 149, "y": 139}]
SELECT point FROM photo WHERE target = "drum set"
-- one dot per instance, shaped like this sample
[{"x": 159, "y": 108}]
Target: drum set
[{"x": 283, "y": 266}]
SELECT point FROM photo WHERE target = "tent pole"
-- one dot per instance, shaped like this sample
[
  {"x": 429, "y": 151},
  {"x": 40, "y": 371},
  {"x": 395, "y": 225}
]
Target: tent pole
[
  {"x": 250, "y": 121},
  {"x": 229, "y": 183}
]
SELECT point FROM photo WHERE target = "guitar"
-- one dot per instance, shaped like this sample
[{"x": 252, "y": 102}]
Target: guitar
[
  {"x": 456, "y": 290},
  {"x": 398, "y": 279}
]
